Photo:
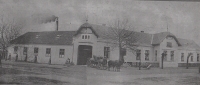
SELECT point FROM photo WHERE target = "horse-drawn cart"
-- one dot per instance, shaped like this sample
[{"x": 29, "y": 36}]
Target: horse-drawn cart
[{"x": 97, "y": 62}]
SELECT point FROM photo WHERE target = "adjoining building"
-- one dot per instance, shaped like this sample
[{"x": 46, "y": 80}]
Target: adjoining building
[{"x": 77, "y": 46}]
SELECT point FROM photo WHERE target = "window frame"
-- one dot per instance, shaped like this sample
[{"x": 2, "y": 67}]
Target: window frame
[
  {"x": 156, "y": 54},
  {"x": 85, "y": 36},
  {"x": 165, "y": 57},
  {"x": 198, "y": 57},
  {"x": 15, "y": 49},
  {"x": 107, "y": 52},
  {"x": 25, "y": 50},
  {"x": 36, "y": 50},
  {"x": 146, "y": 55},
  {"x": 61, "y": 53},
  {"x": 172, "y": 55},
  {"x": 182, "y": 57},
  {"x": 48, "y": 52},
  {"x": 169, "y": 44},
  {"x": 191, "y": 58},
  {"x": 138, "y": 54}
]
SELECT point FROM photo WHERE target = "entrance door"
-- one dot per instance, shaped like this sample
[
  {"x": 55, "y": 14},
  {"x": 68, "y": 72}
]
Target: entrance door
[{"x": 84, "y": 52}]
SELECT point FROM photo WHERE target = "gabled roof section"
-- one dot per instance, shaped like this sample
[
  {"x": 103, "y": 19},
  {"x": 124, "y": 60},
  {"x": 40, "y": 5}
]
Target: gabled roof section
[
  {"x": 49, "y": 38},
  {"x": 187, "y": 44},
  {"x": 86, "y": 25},
  {"x": 106, "y": 32},
  {"x": 159, "y": 37}
]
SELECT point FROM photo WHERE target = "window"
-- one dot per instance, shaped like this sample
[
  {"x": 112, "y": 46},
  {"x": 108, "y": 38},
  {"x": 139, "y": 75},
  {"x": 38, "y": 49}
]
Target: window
[
  {"x": 138, "y": 54},
  {"x": 146, "y": 55},
  {"x": 48, "y": 52},
  {"x": 191, "y": 57},
  {"x": 170, "y": 38},
  {"x": 182, "y": 56},
  {"x": 169, "y": 44},
  {"x": 197, "y": 57},
  {"x": 35, "y": 50},
  {"x": 165, "y": 57},
  {"x": 172, "y": 56},
  {"x": 15, "y": 49},
  {"x": 155, "y": 55},
  {"x": 107, "y": 52},
  {"x": 82, "y": 36},
  {"x": 85, "y": 36},
  {"x": 61, "y": 53},
  {"x": 25, "y": 50}
]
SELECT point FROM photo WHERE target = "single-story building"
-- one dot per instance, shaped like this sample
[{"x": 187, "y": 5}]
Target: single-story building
[{"x": 57, "y": 47}]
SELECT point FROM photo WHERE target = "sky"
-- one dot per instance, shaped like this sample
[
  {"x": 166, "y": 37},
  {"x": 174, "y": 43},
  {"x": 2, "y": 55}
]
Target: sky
[{"x": 182, "y": 18}]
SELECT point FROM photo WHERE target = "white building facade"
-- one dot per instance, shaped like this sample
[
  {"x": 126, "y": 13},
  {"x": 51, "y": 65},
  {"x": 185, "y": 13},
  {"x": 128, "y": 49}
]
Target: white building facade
[{"x": 57, "y": 47}]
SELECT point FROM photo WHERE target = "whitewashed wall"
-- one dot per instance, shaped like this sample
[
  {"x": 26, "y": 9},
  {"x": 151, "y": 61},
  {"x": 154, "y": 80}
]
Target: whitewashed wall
[
  {"x": 42, "y": 53},
  {"x": 163, "y": 46}
]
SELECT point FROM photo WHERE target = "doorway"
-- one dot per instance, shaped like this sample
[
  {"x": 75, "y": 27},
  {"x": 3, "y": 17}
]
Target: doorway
[{"x": 84, "y": 52}]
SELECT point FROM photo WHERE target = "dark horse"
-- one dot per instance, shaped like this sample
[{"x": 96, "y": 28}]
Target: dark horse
[{"x": 115, "y": 64}]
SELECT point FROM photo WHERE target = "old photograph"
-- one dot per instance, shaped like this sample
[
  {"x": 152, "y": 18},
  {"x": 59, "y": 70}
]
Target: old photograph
[{"x": 99, "y": 42}]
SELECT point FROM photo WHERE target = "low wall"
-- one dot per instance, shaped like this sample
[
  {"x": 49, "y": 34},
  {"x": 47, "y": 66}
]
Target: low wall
[
  {"x": 136, "y": 64},
  {"x": 189, "y": 64}
]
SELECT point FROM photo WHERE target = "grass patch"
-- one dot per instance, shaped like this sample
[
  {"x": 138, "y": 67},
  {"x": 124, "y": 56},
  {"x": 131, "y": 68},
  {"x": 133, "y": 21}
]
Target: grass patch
[
  {"x": 124, "y": 83},
  {"x": 190, "y": 80},
  {"x": 30, "y": 80},
  {"x": 156, "y": 79},
  {"x": 12, "y": 71}
]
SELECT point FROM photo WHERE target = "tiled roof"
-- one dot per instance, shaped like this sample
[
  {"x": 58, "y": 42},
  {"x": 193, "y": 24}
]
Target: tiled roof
[
  {"x": 188, "y": 44},
  {"x": 136, "y": 37},
  {"x": 103, "y": 32},
  {"x": 159, "y": 37},
  {"x": 49, "y": 38}
]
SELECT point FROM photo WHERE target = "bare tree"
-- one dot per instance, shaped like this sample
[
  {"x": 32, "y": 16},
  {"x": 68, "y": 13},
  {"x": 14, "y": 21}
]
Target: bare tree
[
  {"x": 187, "y": 66},
  {"x": 122, "y": 31},
  {"x": 9, "y": 29}
]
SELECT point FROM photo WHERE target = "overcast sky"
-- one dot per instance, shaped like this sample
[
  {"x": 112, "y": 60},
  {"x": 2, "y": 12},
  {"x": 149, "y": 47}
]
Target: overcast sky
[{"x": 183, "y": 18}]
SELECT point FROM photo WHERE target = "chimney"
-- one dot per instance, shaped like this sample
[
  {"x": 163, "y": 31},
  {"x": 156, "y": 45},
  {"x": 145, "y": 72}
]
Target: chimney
[
  {"x": 56, "y": 23},
  {"x": 142, "y": 31},
  {"x": 103, "y": 24}
]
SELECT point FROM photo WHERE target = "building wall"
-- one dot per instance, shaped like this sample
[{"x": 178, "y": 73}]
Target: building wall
[
  {"x": 42, "y": 58},
  {"x": 78, "y": 40},
  {"x": 194, "y": 52},
  {"x": 131, "y": 54},
  {"x": 163, "y": 47}
]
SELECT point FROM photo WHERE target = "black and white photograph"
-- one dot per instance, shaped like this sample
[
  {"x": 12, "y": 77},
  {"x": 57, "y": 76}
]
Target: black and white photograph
[{"x": 99, "y": 42}]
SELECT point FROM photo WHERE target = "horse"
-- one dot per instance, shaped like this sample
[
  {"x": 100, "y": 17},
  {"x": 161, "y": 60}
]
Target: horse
[
  {"x": 92, "y": 62},
  {"x": 111, "y": 63},
  {"x": 116, "y": 64},
  {"x": 102, "y": 62}
]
